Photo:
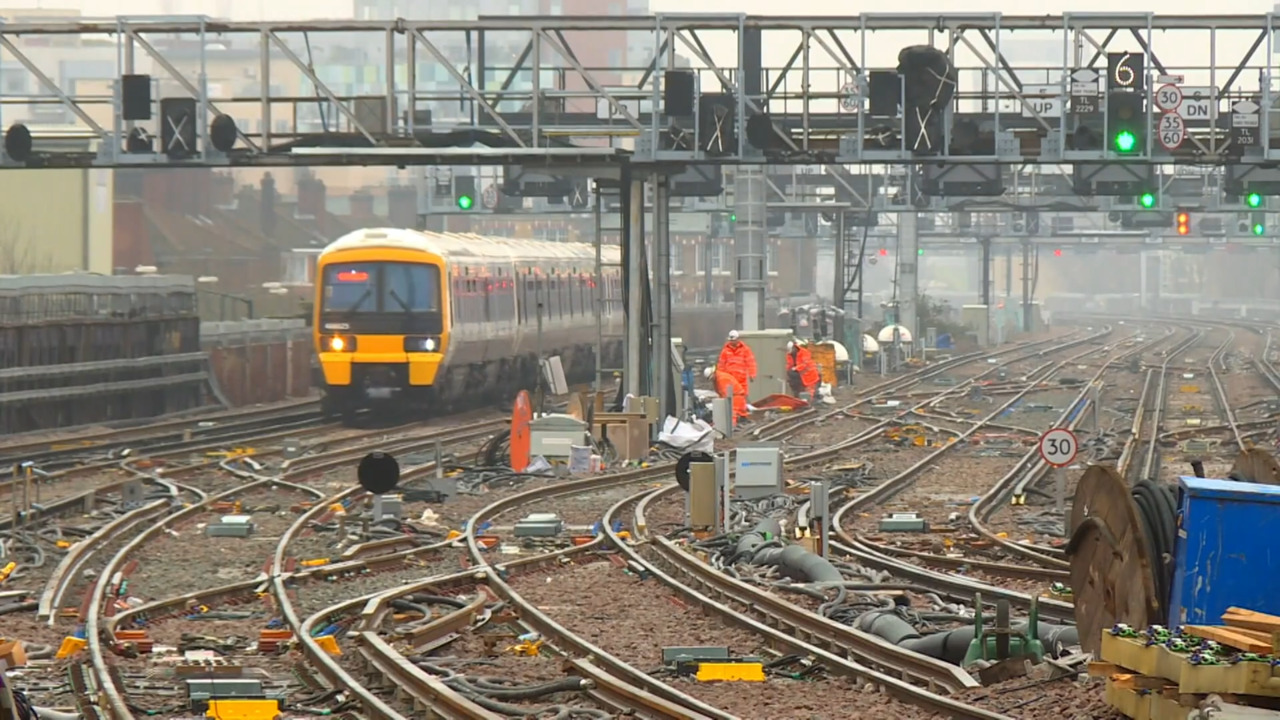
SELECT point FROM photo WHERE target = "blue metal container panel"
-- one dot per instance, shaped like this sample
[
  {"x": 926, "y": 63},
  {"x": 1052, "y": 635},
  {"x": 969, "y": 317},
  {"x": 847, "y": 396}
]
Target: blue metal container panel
[{"x": 1227, "y": 551}]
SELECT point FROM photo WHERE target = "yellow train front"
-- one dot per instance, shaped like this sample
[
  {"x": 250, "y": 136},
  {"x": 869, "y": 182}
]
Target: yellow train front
[
  {"x": 426, "y": 322},
  {"x": 380, "y": 324}
]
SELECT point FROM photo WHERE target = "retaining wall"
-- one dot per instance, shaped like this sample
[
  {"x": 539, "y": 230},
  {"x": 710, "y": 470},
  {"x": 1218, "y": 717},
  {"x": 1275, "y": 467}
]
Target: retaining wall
[{"x": 258, "y": 361}]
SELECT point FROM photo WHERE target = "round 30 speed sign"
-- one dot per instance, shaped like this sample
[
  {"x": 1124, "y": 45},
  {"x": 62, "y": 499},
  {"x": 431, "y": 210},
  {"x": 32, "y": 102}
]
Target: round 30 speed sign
[{"x": 1058, "y": 447}]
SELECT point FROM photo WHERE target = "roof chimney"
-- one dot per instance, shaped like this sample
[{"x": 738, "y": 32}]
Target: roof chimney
[
  {"x": 311, "y": 197},
  {"x": 223, "y": 188},
  {"x": 402, "y": 206},
  {"x": 362, "y": 205},
  {"x": 268, "y": 205}
]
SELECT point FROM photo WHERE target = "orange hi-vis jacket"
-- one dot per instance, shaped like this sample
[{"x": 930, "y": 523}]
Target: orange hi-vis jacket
[
  {"x": 737, "y": 360},
  {"x": 802, "y": 362},
  {"x": 726, "y": 382}
]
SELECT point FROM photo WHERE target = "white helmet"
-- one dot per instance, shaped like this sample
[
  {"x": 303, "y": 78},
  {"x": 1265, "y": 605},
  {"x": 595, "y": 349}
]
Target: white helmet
[
  {"x": 733, "y": 334},
  {"x": 790, "y": 346},
  {"x": 710, "y": 372}
]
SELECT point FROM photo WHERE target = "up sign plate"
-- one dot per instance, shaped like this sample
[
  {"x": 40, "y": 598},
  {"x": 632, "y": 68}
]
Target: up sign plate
[{"x": 1042, "y": 100}]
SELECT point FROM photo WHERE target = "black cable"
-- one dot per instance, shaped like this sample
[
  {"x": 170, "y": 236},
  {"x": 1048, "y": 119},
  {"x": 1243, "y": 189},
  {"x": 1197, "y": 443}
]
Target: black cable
[{"x": 1158, "y": 513}]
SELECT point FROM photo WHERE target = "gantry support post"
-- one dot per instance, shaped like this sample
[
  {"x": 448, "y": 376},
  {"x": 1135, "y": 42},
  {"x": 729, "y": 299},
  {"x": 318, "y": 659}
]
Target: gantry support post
[{"x": 661, "y": 349}]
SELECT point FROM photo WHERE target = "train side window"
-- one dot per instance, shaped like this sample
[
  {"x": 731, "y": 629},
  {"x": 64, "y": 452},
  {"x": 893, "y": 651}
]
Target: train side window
[
  {"x": 456, "y": 310},
  {"x": 487, "y": 291}
]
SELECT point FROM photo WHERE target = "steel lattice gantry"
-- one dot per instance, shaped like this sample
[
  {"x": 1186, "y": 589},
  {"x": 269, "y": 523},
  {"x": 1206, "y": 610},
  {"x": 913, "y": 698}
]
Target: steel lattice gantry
[
  {"x": 1020, "y": 85},
  {"x": 843, "y": 93}
]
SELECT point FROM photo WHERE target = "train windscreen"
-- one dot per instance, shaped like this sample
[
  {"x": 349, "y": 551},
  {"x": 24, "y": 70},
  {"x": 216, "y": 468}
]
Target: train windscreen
[{"x": 381, "y": 287}]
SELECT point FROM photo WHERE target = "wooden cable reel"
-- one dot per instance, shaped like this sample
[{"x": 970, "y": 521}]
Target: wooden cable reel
[
  {"x": 1112, "y": 577},
  {"x": 1256, "y": 465}
]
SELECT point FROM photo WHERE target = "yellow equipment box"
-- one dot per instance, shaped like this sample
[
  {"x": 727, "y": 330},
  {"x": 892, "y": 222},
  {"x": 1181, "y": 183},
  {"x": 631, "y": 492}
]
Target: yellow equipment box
[
  {"x": 243, "y": 709},
  {"x": 730, "y": 672}
]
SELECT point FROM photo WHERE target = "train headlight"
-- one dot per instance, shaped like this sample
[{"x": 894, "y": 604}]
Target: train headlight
[
  {"x": 339, "y": 343},
  {"x": 421, "y": 344}
]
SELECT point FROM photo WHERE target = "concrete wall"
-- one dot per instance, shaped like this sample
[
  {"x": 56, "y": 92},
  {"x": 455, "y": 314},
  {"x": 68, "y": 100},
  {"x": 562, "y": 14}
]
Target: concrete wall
[
  {"x": 55, "y": 221},
  {"x": 258, "y": 361}
]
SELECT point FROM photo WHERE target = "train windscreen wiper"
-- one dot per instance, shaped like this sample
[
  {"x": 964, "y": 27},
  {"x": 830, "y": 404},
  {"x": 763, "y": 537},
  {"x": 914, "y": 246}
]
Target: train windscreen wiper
[
  {"x": 355, "y": 306},
  {"x": 399, "y": 301}
]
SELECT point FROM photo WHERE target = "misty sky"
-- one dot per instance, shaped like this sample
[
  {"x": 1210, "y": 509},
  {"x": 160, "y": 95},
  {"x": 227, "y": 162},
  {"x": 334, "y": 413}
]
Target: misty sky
[
  {"x": 297, "y": 9},
  {"x": 1182, "y": 50}
]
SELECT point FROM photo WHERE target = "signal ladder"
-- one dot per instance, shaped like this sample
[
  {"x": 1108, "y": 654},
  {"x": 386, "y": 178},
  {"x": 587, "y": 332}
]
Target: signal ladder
[{"x": 609, "y": 302}]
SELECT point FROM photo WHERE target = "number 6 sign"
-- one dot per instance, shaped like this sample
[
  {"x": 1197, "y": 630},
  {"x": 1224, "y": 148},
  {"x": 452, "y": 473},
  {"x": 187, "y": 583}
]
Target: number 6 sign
[{"x": 1058, "y": 447}]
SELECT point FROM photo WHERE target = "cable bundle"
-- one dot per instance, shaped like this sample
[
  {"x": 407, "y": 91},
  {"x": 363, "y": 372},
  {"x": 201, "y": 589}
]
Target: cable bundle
[{"x": 1158, "y": 512}]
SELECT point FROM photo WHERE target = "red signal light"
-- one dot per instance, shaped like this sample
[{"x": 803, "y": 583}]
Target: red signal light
[
  {"x": 1057, "y": 253},
  {"x": 884, "y": 252}
]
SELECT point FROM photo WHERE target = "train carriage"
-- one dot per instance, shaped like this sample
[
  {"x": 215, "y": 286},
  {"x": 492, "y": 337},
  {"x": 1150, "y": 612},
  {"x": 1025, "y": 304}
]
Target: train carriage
[{"x": 418, "y": 319}]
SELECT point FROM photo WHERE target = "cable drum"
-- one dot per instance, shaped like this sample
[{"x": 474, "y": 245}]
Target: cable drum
[
  {"x": 683, "y": 469},
  {"x": 929, "y": 84},
  {"x": 379, "y": 473},
  {"x": 1158, "y": 514}
]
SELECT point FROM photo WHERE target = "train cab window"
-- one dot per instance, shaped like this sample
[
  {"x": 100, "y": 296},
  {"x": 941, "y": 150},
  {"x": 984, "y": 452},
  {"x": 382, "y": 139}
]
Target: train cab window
[
  {"x": 350, "y": 287},
  {"x": 372, "y": 287},
  {"x": 411, "y": 287}
]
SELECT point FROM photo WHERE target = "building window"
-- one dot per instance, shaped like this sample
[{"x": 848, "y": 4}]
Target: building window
[
  {"x": 677, "y": 258},
  {"x": 718, "y": 252},
  {"x": 771, "y": 258}
]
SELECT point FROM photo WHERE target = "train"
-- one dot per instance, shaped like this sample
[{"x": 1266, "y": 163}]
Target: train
[{"x": 417, "y": 321}]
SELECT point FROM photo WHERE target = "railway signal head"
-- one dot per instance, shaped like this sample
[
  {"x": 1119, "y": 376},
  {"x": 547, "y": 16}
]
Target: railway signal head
[
  {"x": 1184, "y": 222},
  {"x": 1127, "y": 122}
]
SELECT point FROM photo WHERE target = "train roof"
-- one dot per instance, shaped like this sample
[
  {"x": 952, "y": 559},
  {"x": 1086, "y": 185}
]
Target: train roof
[{"x": 462, "y": 247}]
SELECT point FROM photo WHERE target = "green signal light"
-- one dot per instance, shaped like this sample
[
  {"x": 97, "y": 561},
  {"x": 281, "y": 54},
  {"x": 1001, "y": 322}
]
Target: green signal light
[
  {"x": 1125, "y": 142},
  {"x": 1147, "y": 200},
  {"x": 1258, "y": 229},
  {"x": 1253, "y": 200},
  {"x": 465, "y": 202},
  {"x": 919, "y": 251},
  {"x": 733, "y": 217}
]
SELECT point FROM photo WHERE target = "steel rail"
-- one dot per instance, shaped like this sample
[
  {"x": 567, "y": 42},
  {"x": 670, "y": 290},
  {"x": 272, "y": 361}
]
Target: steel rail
[{"x": 812, "y": 637}]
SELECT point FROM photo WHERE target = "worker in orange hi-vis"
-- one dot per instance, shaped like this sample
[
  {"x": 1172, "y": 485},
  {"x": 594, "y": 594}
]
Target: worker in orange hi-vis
[
  {"x": 726, "y": 383},
  {"x": 802, "y": 371},
  {"x": 737, "y": 360}
]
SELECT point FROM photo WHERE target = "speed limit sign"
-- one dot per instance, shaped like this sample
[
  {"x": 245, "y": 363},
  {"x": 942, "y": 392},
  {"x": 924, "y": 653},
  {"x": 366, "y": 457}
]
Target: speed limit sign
[
  {"x": 1168, "y": 97},
  {"x": 1171, "y": 130},
  {"x": 1058, "y": 447}
]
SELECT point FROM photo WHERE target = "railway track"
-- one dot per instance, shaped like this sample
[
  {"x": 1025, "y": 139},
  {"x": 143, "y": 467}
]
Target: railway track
[
  {"x": 357, "y": 561},
  {"x": 166, "y": 434},
  {"x": 373, "y": 579}
]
